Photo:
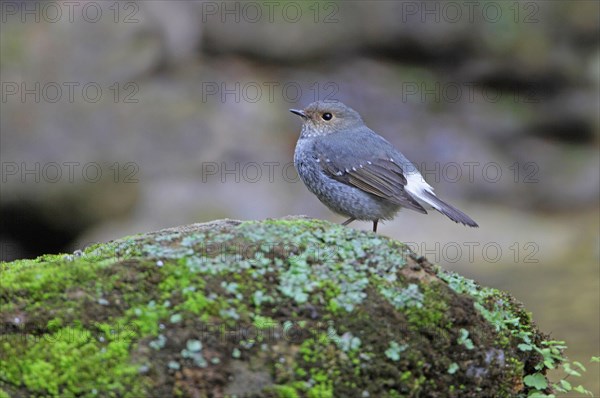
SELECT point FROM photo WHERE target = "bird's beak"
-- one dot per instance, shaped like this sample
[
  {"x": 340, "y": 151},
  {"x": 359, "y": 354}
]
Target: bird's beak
[{"x": 299, "y": 113}]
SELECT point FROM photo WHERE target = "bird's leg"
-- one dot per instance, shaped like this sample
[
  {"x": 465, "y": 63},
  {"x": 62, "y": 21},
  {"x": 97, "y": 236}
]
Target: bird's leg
[
  {"x": 348, "y": 221},
  {"x": 375, "y": 225}
]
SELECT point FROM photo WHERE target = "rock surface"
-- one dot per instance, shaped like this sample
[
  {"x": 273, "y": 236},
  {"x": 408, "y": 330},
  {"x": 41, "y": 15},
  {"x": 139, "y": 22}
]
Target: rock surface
[{"x": 290, "y": 307}]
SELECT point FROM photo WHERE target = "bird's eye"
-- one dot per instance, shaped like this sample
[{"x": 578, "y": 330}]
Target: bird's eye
[{"x": 326, "y": 116}]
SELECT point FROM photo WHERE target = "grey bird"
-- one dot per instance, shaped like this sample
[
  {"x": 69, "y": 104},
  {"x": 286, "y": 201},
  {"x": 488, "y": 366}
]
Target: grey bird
[{"x": 357, "y": 173}]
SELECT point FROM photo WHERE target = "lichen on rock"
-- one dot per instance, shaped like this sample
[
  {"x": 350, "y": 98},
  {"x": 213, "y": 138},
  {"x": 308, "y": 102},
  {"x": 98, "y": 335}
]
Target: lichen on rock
[{"x": 291, "y": 307}]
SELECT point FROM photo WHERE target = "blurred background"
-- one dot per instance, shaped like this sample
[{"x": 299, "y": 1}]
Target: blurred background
[{"x": 126, "y": 117}]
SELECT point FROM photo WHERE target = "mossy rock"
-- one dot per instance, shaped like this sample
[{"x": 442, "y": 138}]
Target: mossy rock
[{"x": 291, "y": 307}]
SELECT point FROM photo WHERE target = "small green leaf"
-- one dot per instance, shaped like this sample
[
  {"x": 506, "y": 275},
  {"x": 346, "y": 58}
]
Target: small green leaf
[
  {"x": 580, "y": 389},
  {"x": 537, "y": 394},
  {"x": 579, "y": 365},
  {"x": 194, "y": 345},
  {"x": 453, "y": 368},
  {"x": 565, "y": 385},
  {"x": 525, "y": 337},
  {"x": 393, "y": 352},
  {"x": 570, "y": 371},
  {"x": 524, "y": 347},
  {"x": 536, "y": 380},
  {"x": 553, "y": 342},
  {"x": 175, "y": 318},
  {"x": 558, "y": 388},
  {"x": 595, "y": 359},
  {"x": 465, "y": 340},
  {"x": 549, "y": 363}
]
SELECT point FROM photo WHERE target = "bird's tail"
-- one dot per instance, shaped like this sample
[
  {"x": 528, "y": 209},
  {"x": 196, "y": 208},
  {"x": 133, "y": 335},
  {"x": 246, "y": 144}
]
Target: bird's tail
[{"x": 448, "y": 210}]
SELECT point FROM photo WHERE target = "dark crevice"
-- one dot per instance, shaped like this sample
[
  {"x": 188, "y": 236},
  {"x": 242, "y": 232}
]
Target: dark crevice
[{"x": 26, "y": 233}]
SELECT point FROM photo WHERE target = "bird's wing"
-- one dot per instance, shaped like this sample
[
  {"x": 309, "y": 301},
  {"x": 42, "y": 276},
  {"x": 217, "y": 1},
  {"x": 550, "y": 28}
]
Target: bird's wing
[{"x": 371, "y": 165}]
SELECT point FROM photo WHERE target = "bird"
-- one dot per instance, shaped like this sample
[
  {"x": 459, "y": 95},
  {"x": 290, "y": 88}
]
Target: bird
[{"x": 356, "y": 172}]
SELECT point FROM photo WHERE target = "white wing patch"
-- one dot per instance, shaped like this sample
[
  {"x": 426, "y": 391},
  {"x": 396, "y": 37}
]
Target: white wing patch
[{"x": 417, "y": 186}]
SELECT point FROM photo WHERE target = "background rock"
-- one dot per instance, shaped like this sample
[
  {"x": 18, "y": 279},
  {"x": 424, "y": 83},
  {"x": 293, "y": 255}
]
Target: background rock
[{"x": 192, "y": 124}]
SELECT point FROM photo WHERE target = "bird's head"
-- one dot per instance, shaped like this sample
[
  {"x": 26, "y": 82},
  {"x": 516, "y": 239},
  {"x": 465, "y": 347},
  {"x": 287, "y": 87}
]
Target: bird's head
[{"x": 322, "y": 118}]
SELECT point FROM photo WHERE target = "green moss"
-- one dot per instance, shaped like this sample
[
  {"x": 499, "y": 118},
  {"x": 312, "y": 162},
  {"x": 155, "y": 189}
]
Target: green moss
[
  {"x": 147, "y": 317},
  {"x": 323, "y": 389},
  {"x": 263, "y": 322},
  {"x": 73, "y": 361},
  {"x": 197, "y": 303},
  {"x": 286, "y": 392},
  {"x": 48, "y": 277},
  {"x": 432, "y": 314},
  {"x": 336, "y": 312}
]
